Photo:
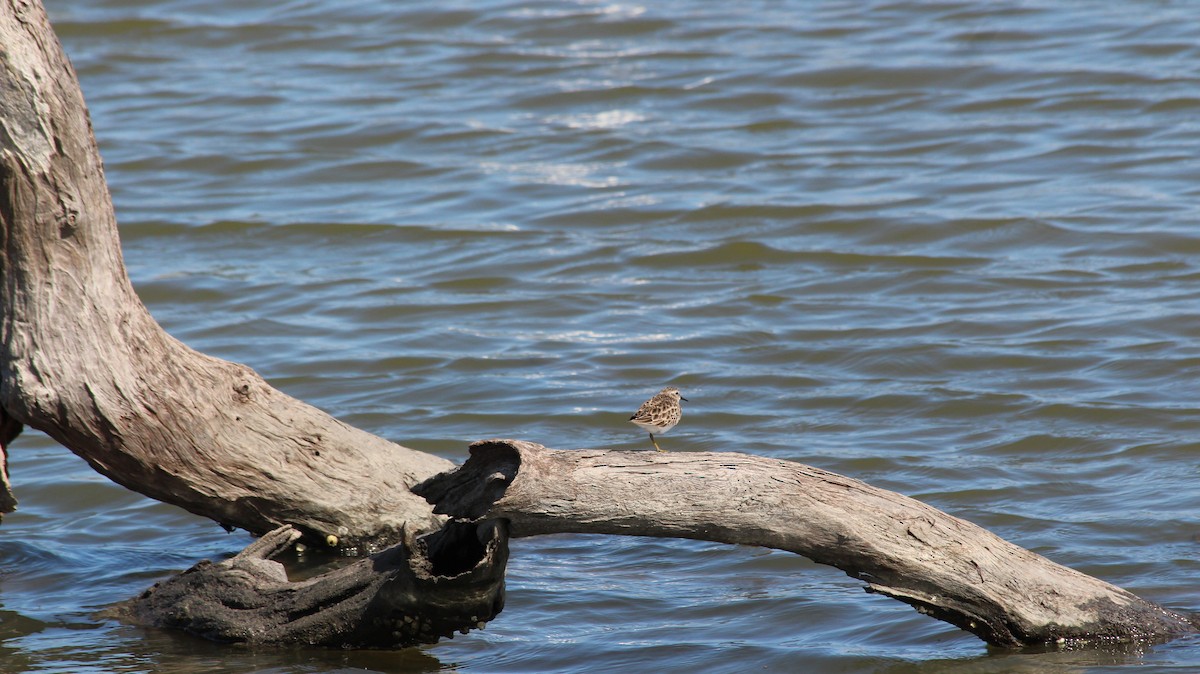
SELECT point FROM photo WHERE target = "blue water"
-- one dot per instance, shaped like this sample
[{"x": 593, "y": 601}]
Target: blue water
[{"x": 947, "y": 248}]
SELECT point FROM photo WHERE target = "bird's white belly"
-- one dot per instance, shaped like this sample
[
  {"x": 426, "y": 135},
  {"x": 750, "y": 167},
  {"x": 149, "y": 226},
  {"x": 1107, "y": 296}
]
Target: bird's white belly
[{"x": 652, "y": 428}]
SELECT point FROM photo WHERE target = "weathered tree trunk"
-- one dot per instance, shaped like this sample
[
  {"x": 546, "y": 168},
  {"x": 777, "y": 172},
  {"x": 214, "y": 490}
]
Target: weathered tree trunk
[
  {"x": 944, "y": 566},
  {"x": 82, "y": 360}
]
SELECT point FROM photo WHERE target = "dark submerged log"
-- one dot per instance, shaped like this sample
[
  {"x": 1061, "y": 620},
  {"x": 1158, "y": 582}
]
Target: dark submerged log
[
  {"x": 416, "y": 592},
  {"x": 944, "y": 566},
  {"x": 9, "y": 430}
]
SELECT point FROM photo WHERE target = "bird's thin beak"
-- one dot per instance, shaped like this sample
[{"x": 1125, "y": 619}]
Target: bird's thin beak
[{"x": 684, "y": 399}]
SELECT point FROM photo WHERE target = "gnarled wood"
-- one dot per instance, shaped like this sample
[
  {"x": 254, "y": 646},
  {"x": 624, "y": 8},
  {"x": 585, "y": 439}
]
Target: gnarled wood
[
  {"x": 82, "y": 359},
  {"x": 383, "y": 601},
  {"x": 905, "y": 549}
]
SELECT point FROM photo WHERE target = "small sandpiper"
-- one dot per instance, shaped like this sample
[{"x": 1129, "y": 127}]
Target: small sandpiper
[{"x": 660, "y": 413}]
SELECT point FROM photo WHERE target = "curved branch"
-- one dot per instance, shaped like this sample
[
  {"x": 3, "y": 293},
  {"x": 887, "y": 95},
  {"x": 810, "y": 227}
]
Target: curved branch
[
  {"x": 82, "y": 359},
  {"x": 944, "y": 566}
]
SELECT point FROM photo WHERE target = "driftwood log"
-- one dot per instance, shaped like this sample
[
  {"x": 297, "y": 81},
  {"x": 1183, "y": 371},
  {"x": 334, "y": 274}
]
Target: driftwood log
[
  {"x": 82, "y": 360},
  {"x": 944, "y": 566}
]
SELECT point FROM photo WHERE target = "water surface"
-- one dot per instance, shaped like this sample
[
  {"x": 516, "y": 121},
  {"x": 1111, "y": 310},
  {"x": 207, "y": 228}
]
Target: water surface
[{"x": 948, "y": 248}]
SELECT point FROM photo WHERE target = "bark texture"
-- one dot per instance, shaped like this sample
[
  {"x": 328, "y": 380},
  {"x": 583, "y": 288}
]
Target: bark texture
[
  {"x": 82, "y": 359},
  {"x": 416, "y": 592},
  {"x": 942, "y": 565}
]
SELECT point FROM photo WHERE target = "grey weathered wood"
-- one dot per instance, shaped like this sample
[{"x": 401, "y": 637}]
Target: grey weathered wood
[
  {"x": 940, "y": 564},
  {"x": 82, "y": 359}
]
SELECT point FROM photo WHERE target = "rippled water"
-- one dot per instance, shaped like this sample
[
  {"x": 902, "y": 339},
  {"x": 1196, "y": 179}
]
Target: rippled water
[{"x": 949, "y": 248}]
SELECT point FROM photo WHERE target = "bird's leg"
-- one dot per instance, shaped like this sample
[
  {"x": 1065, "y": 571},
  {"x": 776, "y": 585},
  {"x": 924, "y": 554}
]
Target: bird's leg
[{"x": 656, "y": 443}]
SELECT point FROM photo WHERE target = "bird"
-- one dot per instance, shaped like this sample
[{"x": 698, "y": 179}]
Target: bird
[{"x": 659, "y": 414}]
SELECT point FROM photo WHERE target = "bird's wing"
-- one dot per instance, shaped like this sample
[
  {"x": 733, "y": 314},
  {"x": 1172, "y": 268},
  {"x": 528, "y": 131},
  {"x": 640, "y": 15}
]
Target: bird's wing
[{"x": 642, "y": 414}]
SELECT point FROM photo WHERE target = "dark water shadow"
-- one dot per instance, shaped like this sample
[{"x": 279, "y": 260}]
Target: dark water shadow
[
  {"x": 139, "y": 649},
  {"x": 1050, "y": 658}
]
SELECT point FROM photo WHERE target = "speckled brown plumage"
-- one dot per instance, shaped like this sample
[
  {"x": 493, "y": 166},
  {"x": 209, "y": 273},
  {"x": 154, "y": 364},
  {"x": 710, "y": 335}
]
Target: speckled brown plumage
[{"x": 660, "y": 413}]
